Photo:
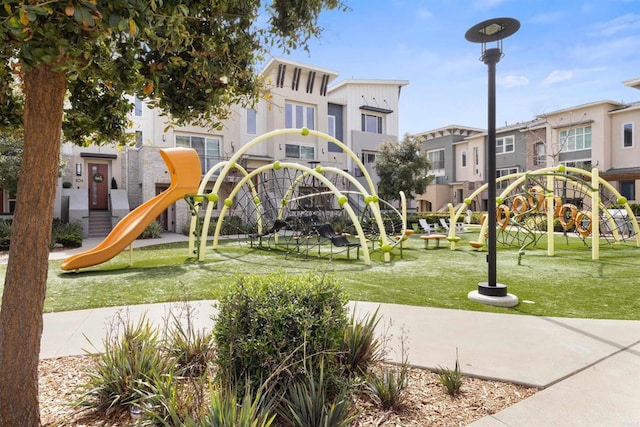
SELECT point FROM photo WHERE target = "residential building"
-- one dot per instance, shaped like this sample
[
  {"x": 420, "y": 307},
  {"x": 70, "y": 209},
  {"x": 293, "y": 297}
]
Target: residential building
[
  {"x": 359, "y": 113},
  {"x": 450, "y": 156},
  {"x": 600, "y": 134}
]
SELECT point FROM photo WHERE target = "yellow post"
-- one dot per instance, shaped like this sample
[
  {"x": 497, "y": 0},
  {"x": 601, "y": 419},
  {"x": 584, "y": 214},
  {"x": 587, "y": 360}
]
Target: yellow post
[
  {"x": 550, "y": 197},
  {"x": 595, "y": 215}
]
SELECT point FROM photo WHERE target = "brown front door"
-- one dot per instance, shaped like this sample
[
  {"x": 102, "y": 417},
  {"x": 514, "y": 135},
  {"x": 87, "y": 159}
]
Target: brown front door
[{"x": 98, "y": 186}]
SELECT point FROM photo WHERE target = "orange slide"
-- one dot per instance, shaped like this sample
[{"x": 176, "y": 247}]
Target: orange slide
[{"x": 183, "y": 165}]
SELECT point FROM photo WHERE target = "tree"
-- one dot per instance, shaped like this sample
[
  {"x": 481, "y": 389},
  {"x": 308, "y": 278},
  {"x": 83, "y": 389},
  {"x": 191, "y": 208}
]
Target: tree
[
  {"x": 402, "y": 166},
  {"x": 73, "y": 62}
]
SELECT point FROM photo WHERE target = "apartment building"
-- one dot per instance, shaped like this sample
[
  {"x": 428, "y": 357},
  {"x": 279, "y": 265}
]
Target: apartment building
[
  {"x": 600, "y": 134},
  {"x": 455, "y": 161},
  {"x": 108, "y": 181}
]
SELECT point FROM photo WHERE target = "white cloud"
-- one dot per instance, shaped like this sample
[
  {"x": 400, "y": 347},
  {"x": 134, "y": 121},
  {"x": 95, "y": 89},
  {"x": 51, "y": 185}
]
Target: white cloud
[
  {"x": 630, "y": 21},
  {"x": 557, "y": 76},
  {"x": 513, "y": 81}
]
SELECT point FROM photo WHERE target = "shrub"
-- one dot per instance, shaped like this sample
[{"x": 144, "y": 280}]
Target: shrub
[
  {"x": 122, "y": 373},
  {"x": 224, "y": 410},
  {"x": 451, "y": 379},
  {"x": 69, "y": 235},
  {"x": 307, "y": 404},
  {"x": 190, "y": 349},
  {"x": 5, "y": 234},
  {"x": 267, "y": 326},
  {"x": 361, "y": 347},
  {"x": 153, "y": 231},
  {"x": 388, "y": 386}
]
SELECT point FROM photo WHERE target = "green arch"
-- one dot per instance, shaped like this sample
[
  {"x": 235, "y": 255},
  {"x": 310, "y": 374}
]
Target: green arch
[{"x": 370, "y": 196}]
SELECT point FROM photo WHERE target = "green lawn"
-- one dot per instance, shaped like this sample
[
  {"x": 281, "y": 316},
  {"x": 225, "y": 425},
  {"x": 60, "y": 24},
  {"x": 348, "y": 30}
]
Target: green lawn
[{"x": 569, "y": 284}]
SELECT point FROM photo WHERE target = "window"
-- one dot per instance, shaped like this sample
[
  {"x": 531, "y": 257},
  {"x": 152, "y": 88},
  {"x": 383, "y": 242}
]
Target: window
[
  {"x": 137, "y": 106},
  {"x": 575, "y": 139},
  {"x": 369, "y": 157},
  {"x": 582, "y": 164},
  {"x": 331, "y": 130},
  {"x": 436, "y": 157},
  {"x": 296, "y": 151},
  {"x": 505, "y": 145},
  {"x": 138, "y": 139},
  {"x": 463, "y": 158},
  {"x": 539, "y": 153},
  {"x": 251, "y": 121},
  {"x": 299, "y": 116},
  {"x": 627, "y": 132},
  {"x": 476, "y": 156},
  {"x": 371, "y": 123},
  {"x": 331, "y": 126},
  {"x": 628, "y": 189},
  {"x": 208, "y": 148},
  {"x": 503, "y": 172}
]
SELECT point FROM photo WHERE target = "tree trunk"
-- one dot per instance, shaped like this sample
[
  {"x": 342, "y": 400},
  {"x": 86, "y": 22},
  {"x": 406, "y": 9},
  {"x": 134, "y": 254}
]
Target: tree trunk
[{"x": 26, "y": 279}]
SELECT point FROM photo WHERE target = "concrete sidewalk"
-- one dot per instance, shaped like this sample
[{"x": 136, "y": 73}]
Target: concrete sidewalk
[{"x": 589, "y": 369}]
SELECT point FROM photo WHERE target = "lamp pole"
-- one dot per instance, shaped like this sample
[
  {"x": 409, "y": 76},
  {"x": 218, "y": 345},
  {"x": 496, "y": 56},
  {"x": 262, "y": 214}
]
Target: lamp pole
[{"x": 490, "y": 31}]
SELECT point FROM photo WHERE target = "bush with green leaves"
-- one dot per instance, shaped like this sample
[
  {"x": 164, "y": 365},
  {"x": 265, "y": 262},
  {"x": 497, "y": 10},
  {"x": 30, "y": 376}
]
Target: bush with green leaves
[
  {"x": 69, "y": 235},
  {"x": 122, "y": 373},
  {"x": 361, "y": 346},
  {"x": 451, "y": 378},
  {"x": 269, "y": 326},
  {"x": 388, "y": 385},
  {"x": 308, "y": 403},
  {"x": 190, "y": 349},
  {"x": 5, "y": 234},
  {"x": 152, "y": 231}
]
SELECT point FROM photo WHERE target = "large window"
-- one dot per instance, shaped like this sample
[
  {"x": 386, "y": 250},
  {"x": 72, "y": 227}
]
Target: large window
[
  {"x": 436, "y": 157},
  {"x": 575, "y": 139},
  {"x": 627, "y": 135},
  {"x": 208, "y": 149},
  {"x": 371, "y": 123},
  {"x": 299, "y": 116},
  {"x": 628, "y": 189},
  {"x": 296, "y": 151},
  {"x": 252, "y": 122},
  {"x": 463, "y": 158},
  {"x": 502, "y": 172},
  {"x": 505, "y": 145}
]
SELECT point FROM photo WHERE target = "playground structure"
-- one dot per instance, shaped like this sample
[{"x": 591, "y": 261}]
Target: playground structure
[
  {"x": 292, "y": 202},
  {"x": 301, "y": 208},
  {"x": 280, "y": 201},
  {"x": 531, "y": 202},
  {"x": 184, "y": 168}
]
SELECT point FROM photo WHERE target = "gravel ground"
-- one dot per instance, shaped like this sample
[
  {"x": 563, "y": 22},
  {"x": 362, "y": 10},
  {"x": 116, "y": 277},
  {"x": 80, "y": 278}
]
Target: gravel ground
[{"x": 426, "y": 401}]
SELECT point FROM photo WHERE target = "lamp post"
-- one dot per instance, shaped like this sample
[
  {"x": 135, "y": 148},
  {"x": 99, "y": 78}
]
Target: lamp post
[{"x": 492, "y": 31}]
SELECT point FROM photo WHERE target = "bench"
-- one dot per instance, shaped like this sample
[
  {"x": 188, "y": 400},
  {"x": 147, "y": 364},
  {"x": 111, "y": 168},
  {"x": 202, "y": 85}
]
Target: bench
[{"x": 429, "y": 237}]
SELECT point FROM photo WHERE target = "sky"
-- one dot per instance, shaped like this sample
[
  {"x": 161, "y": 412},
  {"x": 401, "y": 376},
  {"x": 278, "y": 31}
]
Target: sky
[{"x": 566, "y": 53}]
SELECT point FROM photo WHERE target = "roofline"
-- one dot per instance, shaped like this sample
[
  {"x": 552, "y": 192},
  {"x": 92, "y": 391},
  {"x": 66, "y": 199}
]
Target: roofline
[
  {"x": 449, "y": 128},
  {"x": 346, "y": 82},
  {"x": 281, "y": 60},
  {"x": 633, "y": 83},
  {"x": 576, "y": 107}
]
